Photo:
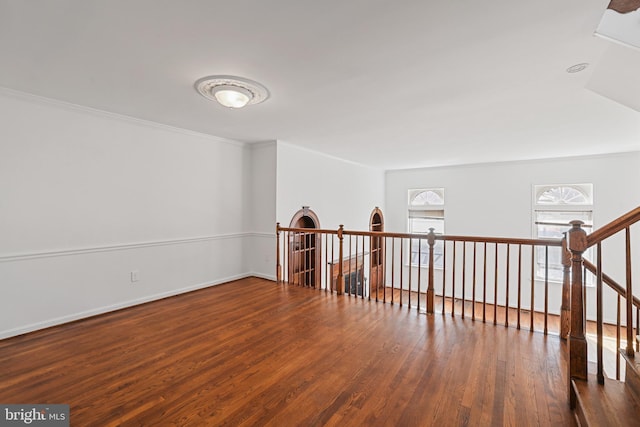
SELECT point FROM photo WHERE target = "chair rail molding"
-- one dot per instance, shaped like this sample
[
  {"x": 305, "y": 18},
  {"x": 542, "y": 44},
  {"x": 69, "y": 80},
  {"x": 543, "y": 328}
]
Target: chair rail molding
[{"x": 125, "y": 246}]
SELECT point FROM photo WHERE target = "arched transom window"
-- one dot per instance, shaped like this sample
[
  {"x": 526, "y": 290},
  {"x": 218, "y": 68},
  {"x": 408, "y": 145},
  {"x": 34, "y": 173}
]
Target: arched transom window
[
  {"x": 427, "y": 197},
  {"x": 564, "y": 195}
]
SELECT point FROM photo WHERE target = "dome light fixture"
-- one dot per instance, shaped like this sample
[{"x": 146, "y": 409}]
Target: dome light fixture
[{"x": 231, "y": 91}]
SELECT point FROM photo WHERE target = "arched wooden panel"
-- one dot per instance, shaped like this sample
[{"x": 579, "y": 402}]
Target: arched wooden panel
[
  {"x": 305, "y": 250},
  {"x": 376, "y": 248}
]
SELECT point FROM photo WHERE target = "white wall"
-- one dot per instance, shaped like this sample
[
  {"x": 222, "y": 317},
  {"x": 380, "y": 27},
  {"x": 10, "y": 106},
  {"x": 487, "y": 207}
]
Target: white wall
[
  {"x": 496, "y": 199},
  {"x": 261, "y": 247},
  {"x": 339, "y": 192},
  {"x": 88, "y": 197}
]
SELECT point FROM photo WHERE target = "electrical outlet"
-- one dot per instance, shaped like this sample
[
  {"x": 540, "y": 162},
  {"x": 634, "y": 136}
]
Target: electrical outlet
[{"x": 134, "y": 276}]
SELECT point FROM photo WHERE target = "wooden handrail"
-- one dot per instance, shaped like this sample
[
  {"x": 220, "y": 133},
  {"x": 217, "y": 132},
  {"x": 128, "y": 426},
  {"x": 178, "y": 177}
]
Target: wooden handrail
[
  {"x": 610, "y": 282},
  {"x": 396, "y": 254},
  {"x": 579, "y": 241},
  {"x": 501, "y": 240},
  {"x": 308, "y": 230},
  {"x": 614, "y": 227},
  {"x": 443, "y": 237}
]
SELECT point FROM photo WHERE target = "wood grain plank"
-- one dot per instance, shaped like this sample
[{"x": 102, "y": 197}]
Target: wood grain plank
[{"x": 252, "y": 352}]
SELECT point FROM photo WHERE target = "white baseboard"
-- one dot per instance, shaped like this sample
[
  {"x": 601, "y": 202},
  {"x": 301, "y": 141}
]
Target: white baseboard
[
  {"x": 125, "y": 304},
  {"x": 263, "y": 276}
]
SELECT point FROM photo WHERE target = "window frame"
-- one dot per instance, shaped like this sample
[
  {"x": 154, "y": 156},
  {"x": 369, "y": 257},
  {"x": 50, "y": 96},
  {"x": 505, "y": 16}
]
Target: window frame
[
  {"x": 581, "y": 209},
  {"x": 437, "y": 210}
]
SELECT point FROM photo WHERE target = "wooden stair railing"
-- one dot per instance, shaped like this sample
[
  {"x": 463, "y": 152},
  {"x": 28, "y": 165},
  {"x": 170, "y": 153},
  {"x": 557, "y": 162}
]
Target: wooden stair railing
[
  {"x": 622, "y": 223},
  {"x": 602, "y": 278},
  {"x": 490, "y": 279},
  {"x": 578, "y": 243}
]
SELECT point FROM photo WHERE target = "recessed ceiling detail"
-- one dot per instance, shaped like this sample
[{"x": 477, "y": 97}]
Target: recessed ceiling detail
[
  {"x": 231, "y": 91},
  {"x": 577, "y": 68}
]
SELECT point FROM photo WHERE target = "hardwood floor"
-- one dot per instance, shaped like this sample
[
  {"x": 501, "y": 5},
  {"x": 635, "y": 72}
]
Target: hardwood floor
[
  {"x": 255, "y": 353},
  {"x": 483, "y": 312}
]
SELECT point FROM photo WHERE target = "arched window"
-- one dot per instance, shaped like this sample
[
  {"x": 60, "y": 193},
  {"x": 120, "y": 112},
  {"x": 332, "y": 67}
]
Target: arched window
[
  {"x": 554, "y": 207},
  {"x": 427, "y": 197},
  {"x": 426, "y": 210},
  {"x": 564, "y": 195}
]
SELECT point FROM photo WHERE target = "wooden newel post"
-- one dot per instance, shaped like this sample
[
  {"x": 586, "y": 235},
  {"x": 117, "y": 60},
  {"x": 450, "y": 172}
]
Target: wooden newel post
[
  {"x": 431, "y": 239},
  {"x": 629, "y": 350},
  {"x": 340, "y": 281},
  {"x": 278, "y": 265},
  {"x": 577, "y": 340},
  {"x": 565, "y": 310}
]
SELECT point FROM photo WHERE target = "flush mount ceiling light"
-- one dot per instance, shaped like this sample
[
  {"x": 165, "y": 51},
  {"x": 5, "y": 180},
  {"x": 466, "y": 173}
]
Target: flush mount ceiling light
[{"x": 231, "y": 91}]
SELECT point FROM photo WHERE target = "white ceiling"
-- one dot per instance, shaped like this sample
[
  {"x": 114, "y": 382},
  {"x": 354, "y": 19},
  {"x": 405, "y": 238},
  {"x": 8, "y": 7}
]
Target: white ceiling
[{"x": 391, "y": 84}]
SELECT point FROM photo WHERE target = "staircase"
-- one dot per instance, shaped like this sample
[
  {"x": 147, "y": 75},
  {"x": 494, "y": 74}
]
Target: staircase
[
  {"x": 613, "y": 403},
  {"x": 596, "y": 400}
]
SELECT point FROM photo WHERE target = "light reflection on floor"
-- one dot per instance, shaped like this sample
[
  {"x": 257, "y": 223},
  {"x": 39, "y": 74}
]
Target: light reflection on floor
[{"x": 609, "y": 354}]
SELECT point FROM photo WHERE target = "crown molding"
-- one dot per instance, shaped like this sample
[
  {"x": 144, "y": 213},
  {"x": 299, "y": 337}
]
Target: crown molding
[{"x": 68, "y": 106}]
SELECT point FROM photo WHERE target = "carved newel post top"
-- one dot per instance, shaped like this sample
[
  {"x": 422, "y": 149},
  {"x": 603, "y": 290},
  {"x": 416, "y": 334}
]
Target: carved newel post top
[
  {"x": 577, "y": 237},
  {"x": 431, "y": 236},
  {"x": 340, "y": 230}
]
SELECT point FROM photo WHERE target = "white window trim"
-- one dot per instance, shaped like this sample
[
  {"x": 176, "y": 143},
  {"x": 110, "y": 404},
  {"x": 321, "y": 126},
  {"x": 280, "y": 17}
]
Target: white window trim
[
  {"x": 440, "y": 207},
  {"x": 537, "y": 190}
]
